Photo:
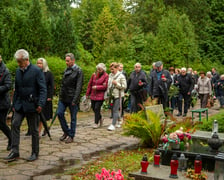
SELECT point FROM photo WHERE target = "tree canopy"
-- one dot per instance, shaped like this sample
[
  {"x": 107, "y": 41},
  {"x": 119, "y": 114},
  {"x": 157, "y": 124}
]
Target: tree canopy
[{"x": 180, "y": 33}]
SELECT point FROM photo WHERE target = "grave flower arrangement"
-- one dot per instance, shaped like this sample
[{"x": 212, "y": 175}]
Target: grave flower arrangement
[
  {"x": 192, "y": 175},
  {"x": 176, "y": 140},
  {"x": 106, "y": 175}
]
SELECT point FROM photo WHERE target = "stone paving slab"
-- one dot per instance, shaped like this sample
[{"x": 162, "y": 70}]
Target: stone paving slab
[{"x": 55, "y": 156}]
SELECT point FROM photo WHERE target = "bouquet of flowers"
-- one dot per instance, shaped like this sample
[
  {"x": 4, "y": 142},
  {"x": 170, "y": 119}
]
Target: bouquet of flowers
[
  {"x": 106, "y": 175},
  {"x": 177, "y": 139}
]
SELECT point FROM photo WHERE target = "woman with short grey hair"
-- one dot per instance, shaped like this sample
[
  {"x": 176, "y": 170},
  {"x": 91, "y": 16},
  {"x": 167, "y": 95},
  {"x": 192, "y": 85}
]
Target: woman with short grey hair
[{"x": 95, "y": 91}]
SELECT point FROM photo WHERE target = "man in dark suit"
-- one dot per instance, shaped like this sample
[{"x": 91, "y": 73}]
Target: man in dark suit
[{"x": 29, "y": 98}]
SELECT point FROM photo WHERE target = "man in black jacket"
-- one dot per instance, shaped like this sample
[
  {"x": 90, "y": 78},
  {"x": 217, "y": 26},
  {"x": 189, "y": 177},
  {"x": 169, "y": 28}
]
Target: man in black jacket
[
  {"x": 186, "y": 84},
  {"x": 69, "y": 96},
  {"x": 160, "y": 84},
  {"x": 29, "y": 99},
  {"x": 136, "y": 84}
]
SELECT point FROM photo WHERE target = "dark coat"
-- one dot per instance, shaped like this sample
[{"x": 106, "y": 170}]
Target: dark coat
[
  {"x": 5, "y": 85},
  {"x": 30, "y": 89},
  {"x": 220, "y": 87},
  {"x": 215, "y": 78},
  {"x": 71, "y": 85},
  {"x": 185, "y": 83},
  {"x": 47, "y": 110},
  {"x": 159, "y": 87},
  {"x": 101, "y": 86},
  {"x": 49, "y": 79},
  {"x": 134, "y": 79}
]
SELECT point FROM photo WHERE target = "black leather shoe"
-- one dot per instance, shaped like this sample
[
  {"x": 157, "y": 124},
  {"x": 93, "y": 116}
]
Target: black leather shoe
[
  {"x": 63, "y": 137},
  {"x": 185, "y": 114},
  {"x": 33, "y": 157},
  {"x": 12, "y": 157},
  {"x": 179, "y": 114}
]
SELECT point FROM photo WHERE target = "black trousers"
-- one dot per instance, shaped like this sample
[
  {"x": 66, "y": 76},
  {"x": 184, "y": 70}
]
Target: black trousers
[
  {"x": 3, "y": 126},
  {"x": 204, "y": 100},
  {"x": 33, "y": 119},
  {"x": 186, "y": 98},
  {"x": 96, "y": 106}
]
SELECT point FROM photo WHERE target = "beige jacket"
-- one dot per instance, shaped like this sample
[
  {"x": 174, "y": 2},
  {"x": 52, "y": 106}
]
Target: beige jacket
[
  {"x": 117, "y": 90},
  {"x": 204, "y": 86}
]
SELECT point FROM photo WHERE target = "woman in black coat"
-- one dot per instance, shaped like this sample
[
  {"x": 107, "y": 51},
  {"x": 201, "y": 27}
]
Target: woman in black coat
[
  {"x": 5, "y": 85},
  {"x": 49, "y": 79}
]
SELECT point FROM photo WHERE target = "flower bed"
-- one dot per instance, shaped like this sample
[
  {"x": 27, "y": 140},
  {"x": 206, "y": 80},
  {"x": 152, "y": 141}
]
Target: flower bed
[{"x": 106, "y": 175}]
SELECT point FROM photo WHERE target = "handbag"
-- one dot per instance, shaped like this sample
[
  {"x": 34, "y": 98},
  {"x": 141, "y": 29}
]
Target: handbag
[{"x": 85, "y": 104}]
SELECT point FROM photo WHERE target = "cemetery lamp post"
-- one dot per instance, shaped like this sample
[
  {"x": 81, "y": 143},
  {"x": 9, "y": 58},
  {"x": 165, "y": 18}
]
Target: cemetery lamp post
[
  {"x": 173, "y": 166},
  {"x": 144, "y": 164}
]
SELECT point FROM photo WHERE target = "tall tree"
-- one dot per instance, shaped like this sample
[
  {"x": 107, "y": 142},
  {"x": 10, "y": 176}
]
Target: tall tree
[
  {"x": 38, "y": 35},
  {"x": 84, "y": 19},
  {"x": 64, "y": 38},
  {"x": 175, "y": 42},
  {"x": 212, "y": 44},
  {"x": 146, "y": 13},
  {"x": 102, "y": 27},
  {"x": 14, "y": 27}
]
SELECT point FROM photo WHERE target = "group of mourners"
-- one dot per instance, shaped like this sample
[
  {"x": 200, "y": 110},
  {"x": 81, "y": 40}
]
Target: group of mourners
[
  {"x": 32, "y": 98},
  {"x": 34, "y": 88}
]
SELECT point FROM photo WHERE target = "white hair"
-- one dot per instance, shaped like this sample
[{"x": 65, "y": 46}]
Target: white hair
[
  {"x": 138, "y": 64},
  {"x": 45, "y": 65},
  {"x": 209, "y": 73},
  {"x": 21, "y": 54},
  {"x": 102, "y": 66},
  {"x": 183, "y": 69}
]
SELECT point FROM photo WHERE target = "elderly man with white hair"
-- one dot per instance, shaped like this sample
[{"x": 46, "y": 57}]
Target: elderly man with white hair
[
  {"x": 186, "y": 85},
  {"x": 136, "y": 84}
]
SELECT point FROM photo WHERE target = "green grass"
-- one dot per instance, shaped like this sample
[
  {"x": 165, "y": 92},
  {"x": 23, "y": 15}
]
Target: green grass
[
  {"x": 126, "y": 160},
  {"x": 207, "y": 125}
]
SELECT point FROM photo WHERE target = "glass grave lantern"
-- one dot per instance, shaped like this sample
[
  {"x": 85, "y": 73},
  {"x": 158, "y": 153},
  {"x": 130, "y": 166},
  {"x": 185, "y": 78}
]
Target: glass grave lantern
[{"x": 182, "y": 162}]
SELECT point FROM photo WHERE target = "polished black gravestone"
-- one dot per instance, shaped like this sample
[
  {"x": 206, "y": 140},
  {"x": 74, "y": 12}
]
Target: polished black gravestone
[{"x": 198, "y": 146}]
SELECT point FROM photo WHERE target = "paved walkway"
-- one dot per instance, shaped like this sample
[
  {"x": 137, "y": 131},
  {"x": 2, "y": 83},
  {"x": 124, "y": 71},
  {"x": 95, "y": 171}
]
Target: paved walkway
[{"x": 56, "y": 156}]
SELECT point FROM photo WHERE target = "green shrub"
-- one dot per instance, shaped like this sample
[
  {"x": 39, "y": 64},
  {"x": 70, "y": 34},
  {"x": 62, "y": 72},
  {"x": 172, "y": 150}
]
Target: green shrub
[
  {"x": 207, "y": 125},
  {"x": 138, "y": 126}
]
